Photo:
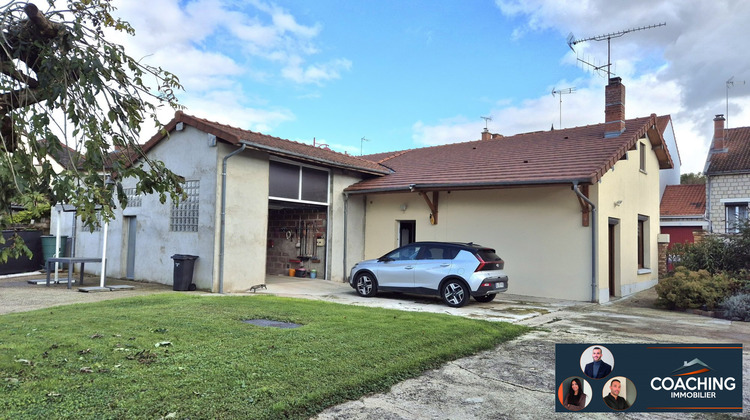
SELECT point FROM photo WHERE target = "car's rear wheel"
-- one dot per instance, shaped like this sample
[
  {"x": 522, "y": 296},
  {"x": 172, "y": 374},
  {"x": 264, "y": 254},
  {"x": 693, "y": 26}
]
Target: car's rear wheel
[
  {"x": 485, "y": 298},
  {"x": 455, "y": 293},
  {"x": 366, "y": 284}
]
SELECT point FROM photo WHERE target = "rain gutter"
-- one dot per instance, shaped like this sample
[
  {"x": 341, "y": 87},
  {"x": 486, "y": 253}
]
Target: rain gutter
[
  {"x": 223, "y": 213},
  {"x": 468, "y": 186},
  {"x": 303, "y": 156}
]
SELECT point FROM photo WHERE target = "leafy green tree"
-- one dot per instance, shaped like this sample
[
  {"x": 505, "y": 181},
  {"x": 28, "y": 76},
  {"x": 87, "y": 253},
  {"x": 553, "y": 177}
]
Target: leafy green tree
[
  {"x": 692, "y": 178},
  {"x": 66, "y": 90}
]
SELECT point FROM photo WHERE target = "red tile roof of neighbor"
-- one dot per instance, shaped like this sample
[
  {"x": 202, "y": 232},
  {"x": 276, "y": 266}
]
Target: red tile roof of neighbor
[
  {"x": 684, "y": 200},
  {"x": 737, "y": 157},
  {"x": 270, "y": 144},
  {"x": 580, "y": 154}
]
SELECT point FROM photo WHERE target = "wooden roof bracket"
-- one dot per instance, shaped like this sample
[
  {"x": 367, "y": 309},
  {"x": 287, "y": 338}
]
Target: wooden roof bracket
[
  {"x": 433, "y": 205},
  {"x": 585, "y": 208}
]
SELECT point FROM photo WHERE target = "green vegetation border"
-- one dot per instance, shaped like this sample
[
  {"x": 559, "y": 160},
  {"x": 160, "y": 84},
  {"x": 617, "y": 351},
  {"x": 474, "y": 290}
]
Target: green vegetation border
[{"x": 194, "y": 357}]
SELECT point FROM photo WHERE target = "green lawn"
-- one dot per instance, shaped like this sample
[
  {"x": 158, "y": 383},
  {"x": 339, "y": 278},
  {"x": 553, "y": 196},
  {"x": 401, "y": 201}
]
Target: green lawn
[{"x": 193, "y": 357}]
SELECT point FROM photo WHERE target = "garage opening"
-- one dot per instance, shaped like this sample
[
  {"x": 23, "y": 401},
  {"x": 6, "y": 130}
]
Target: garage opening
[
  {"x": 297, "y": 219},
  {"x": 296, "y": 240}
]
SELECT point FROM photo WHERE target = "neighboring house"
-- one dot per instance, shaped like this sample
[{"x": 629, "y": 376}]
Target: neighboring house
[
  {"x": 683, "y": 212},
  {"x": 278, "y": 206},
  {"x": 574, "y": 213},
  {"x": 669, "y": 176},
  {"x": 727, "y": 177}
]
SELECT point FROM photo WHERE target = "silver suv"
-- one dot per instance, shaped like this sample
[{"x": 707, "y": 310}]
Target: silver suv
[{"x": 453, "y": 271}]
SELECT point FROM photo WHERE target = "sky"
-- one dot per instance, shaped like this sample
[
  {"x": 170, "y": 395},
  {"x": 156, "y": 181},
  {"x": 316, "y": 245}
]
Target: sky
[{"x": 375, "y": 76}]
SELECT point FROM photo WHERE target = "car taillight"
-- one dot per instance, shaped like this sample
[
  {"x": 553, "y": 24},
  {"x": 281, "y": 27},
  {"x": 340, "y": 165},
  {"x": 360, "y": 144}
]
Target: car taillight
[{"x": 486, "y": 266}]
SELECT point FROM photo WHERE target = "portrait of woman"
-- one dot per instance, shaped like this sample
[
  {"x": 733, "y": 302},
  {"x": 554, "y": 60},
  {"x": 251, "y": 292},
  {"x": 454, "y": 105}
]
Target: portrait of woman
[{"x": 575, "y": 399}]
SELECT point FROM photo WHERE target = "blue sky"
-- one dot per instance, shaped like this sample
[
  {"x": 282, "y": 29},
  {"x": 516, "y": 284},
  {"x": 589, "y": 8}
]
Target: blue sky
[{"x": 406, "y": 74}]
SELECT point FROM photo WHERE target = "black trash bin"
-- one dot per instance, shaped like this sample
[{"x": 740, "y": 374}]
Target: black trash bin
[{"x": 183, "y": 272}]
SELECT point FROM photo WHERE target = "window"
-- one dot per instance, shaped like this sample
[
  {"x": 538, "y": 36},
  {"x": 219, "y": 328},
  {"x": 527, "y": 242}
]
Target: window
[
  {"x": 643, "y": 242},
  {"x": 643, "y": 157},
  {"x": 297, "y": 183},
  {"x": 736, "y": 215},
  {"x": 134, "y": 199},
  {"x": 406, "y": 253},
  {"x": 185, "y": 214}
]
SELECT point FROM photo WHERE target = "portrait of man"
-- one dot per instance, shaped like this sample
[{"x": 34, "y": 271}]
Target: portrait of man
[
  {"x": 598, "y": 368},
  {"x": 613, "y": 399}
]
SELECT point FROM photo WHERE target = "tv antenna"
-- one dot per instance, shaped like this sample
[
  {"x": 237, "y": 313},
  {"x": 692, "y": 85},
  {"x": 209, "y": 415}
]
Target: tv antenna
[
  {"x": 572, "y": 41},
  {"x": 731, "y": 83},
  {"x": 361, "y": 142},
  {"x": 562, "y": 92},
  {"x": 486, "y": 119}
]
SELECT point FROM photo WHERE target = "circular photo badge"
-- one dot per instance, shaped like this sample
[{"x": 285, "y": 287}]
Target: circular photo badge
[
  {"x": 597, "y": 362},
  {"x": 574, "y": 393}
]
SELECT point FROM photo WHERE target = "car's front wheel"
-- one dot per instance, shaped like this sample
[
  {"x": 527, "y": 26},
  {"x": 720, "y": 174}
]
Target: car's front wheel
[
  {"x": 454, "y": 293},
  {"x": 485, "y": 298},
  {"x": 366, "y": 284}
]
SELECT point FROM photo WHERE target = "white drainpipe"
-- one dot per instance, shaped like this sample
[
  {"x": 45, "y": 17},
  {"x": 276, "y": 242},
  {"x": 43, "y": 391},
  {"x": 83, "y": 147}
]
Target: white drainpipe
[{"x": 593, "y": 239}]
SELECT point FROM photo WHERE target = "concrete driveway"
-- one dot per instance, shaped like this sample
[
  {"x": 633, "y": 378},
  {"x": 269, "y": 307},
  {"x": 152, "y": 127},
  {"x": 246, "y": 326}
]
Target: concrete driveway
[{"x": 516, "y": 380}]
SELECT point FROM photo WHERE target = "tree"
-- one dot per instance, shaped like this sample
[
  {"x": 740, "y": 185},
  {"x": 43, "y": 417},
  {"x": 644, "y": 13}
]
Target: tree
[
  {"x": 692, "y": 178},
  {"x": 65, "y": 90}
]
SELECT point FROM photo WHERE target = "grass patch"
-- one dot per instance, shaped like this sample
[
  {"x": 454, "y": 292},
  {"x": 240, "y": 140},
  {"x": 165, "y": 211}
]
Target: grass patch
[{"x": 193, "y": 357}]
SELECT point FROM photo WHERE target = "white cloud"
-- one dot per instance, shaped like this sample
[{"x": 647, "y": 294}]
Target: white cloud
[
  {"x": 218, "y": 47},
  {"x": 699, "y": 46},
  {"x": 315, "y": 73}
]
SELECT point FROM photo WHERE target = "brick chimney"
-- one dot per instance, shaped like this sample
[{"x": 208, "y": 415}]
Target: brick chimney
[
  {"x": 614, "y": 108},
  {"x": 718, "y": 143},
  {"x": 486, "y": 135}
]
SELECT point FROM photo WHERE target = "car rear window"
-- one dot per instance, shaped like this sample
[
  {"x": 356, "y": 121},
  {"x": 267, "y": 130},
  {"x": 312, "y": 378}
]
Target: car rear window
[
  {"x": 488, "y": 255},
  {"x": 437, "y": 252}
]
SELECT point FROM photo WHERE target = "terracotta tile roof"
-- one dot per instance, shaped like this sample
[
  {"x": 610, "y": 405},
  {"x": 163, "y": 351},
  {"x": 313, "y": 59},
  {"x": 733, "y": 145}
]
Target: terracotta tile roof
[
  {"x": 737, "y": 157},
  {"x": 273, "y": 145},
  {"x": 662, "y": 122},
  {"x": 684, "y": 200},
  {"x": 65, "y": 156},
  {"x": 579, "y": 154}
]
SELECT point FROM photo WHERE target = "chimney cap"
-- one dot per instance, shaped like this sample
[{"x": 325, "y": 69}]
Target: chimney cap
[
  {"x": 719, "y": 117},
  {"x": 615, "y": 80}
]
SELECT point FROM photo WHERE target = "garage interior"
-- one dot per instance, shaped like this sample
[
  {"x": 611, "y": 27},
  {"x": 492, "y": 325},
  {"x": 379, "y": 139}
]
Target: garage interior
[{"x": 296, "y": 239}]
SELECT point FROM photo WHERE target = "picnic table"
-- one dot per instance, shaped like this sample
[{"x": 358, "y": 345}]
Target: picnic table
[{"x": 70, "y": 260}]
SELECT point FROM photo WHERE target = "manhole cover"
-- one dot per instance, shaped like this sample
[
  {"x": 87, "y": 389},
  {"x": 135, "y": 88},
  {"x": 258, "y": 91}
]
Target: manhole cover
[{"x": 269, "y": 323}]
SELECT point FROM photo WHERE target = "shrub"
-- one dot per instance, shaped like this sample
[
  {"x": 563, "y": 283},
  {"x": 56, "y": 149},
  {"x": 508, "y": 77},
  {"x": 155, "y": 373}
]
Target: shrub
[
  {"x": 687, "y": 289},
  {"x": 737, "y": 307},
  {"x": 716, "y": 253}
]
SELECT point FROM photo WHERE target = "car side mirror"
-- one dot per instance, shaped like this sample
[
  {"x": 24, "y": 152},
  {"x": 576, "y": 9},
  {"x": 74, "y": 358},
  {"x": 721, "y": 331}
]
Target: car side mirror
[{"x": 385, "y": 259}]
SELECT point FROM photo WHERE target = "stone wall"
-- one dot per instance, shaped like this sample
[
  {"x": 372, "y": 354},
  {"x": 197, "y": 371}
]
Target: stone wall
[{"x": 725, "y": 187}]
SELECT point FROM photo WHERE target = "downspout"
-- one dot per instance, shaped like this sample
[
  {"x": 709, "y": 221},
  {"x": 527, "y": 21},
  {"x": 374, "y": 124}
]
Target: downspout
[
  {"x": 593, "y": 239},
  {"x": 346, "y": 218},
  {"x": 223, "y": 213},
  {"x": 707, "y": 213}
]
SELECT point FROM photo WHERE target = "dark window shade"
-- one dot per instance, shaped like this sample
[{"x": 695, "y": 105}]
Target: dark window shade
[
  {"x": 314, "y": 185},
  {"x": 283, "y": 180}
]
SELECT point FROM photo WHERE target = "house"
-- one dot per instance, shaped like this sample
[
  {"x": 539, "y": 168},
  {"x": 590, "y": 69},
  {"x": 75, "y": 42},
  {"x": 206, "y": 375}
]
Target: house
[
  {"x": 727, "y": 173},
  {"x": 669, "y": 176},
  {"x": 683, "y": 212},
  {"x": 573, "y": 212},
  {"x": 255, "y": 205}
]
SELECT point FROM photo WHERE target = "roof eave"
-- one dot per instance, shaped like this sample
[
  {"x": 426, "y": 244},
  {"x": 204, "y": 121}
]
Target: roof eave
[
  {"x": 471, "y": 186},
  {"x": 286, "y": 153}
]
